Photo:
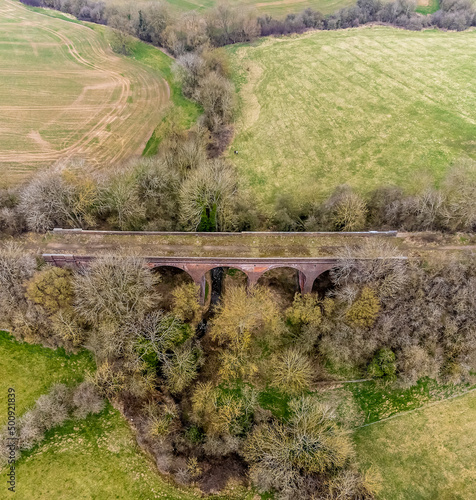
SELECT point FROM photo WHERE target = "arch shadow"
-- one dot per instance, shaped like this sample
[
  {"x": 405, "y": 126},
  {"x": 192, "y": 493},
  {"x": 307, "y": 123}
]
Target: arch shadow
[
  {"x": 170, "y": 278},
  {"x": 322, "y": 284},
  {"x": 284, "y": 281}
]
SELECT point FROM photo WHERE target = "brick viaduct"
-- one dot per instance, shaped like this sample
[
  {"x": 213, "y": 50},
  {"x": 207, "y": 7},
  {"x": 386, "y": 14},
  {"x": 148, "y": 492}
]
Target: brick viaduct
[
  {"x": 308, "y": 268},
  {"x": 197, "y": 267}
]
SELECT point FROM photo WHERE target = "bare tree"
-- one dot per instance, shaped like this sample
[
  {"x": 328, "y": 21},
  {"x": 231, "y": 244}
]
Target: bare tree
[
  {"x": 115, "y": 288},
  {"x": 207, "y": 195}
]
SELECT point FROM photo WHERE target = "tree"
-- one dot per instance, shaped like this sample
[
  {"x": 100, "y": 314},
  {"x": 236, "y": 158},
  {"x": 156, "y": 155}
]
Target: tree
[
  {"x": 181, "y": 366},
  {"x": 52, "y": 289},
  {"x": 347, "y": 210},
  {"x": 186, "y": 304},
  {"x": 376, "y": 262},
  {"x": 305, "y": 310},
  {"x": 241, "y": 319},
  {"x": 291, "y": 372},
  {"x": 119, "y": 200},
  {"x": 283, "y": 455},
  {"x": 207, "y": 197},
  {"x": 364, "y": 311},
  {"x": 120, "y": 36},
  {"x": 115, "y": 288},
  {"x": 64, "y": 195},
  {"x": 158, "y": 191},
  {"x": 217, "y": 96},
  {"x": 383, "y": 365},
  {"x": 459, "y": 191},
  {"x": 16, "y": 267}
]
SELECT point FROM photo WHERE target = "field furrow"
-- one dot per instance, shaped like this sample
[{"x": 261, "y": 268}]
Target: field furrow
[{"x": 64, "y": 93}]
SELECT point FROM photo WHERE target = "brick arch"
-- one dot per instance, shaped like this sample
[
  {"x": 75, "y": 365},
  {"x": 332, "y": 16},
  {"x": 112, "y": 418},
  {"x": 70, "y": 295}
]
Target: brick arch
[
  {"x": 159, "y": 267},
  {"x": 156, "y": 267}
]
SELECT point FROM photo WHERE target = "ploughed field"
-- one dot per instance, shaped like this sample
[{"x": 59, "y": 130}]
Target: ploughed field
[
  {"x": 364, "y": 106},
  {"x": 64, "y": 93}
]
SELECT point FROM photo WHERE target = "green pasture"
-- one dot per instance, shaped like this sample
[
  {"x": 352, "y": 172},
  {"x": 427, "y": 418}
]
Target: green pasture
[
  {"x": 366, "y": 107},
  {"x": 276, "y": 8},
  {"x": 31, "y": 370},
  {"x": 426, "y": 454}
]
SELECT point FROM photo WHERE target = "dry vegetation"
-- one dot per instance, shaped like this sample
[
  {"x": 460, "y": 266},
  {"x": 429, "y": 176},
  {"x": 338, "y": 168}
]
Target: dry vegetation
[
  {"x": 237, "y": 396},
  {"x": 65, "y": 93}
]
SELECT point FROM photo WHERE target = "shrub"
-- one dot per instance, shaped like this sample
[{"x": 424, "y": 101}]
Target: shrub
[
  {"x": 108, "y": 381},
  {"x": 162, "y": 420},
  {"x": 193, "y": 468},
  {"x": 364, "y": 311},
  {"x": 50, "y": 410},
  {"x": 52, "y": 289},
  {"x": 221, "y": 414},
  {"x": 350, "y": 484},
  {"x": 86, "y": 400},
  {"x": 292, "y": 372},
  {"x": 383, "y": 365}
]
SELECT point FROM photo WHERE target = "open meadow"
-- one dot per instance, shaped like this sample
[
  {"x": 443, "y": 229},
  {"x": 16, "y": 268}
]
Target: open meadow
[
  {"x": 276, "y": 8},
  {"x": 64, "y": 93},
  {"x": 425, "y": 454},
  {"x": 366, "y": 107}
]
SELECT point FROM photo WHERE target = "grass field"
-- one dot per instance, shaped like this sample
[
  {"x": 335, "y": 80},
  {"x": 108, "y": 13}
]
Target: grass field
[
  {"x": 365, "y": 106},
  {"x": 64, "y": 93},
  {"x": 276, "y": 8},
  {"x": 428, "y": 454}
]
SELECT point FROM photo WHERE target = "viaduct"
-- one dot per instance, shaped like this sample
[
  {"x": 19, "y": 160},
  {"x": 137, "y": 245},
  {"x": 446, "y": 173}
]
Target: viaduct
[
  {"x": 68, "y": 242},
  {"x": 197, "y": 267}
]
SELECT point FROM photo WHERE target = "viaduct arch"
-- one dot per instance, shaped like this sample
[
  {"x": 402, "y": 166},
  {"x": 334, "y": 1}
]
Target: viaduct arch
[{"x": 309, "y": 268}]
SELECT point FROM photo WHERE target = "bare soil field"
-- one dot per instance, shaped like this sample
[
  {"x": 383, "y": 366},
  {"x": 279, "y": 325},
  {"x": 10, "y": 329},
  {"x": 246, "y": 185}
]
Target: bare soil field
[{"x": 64, "y": 93}]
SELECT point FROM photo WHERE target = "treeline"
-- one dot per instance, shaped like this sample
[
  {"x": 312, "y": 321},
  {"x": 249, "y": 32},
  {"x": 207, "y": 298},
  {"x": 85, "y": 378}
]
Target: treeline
[
  {"x": 448, "y": 207},
  {"x": 224, "y": 24},
  {"x": 242, "y": 394},
  {"x": 183, "y": 189}
]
